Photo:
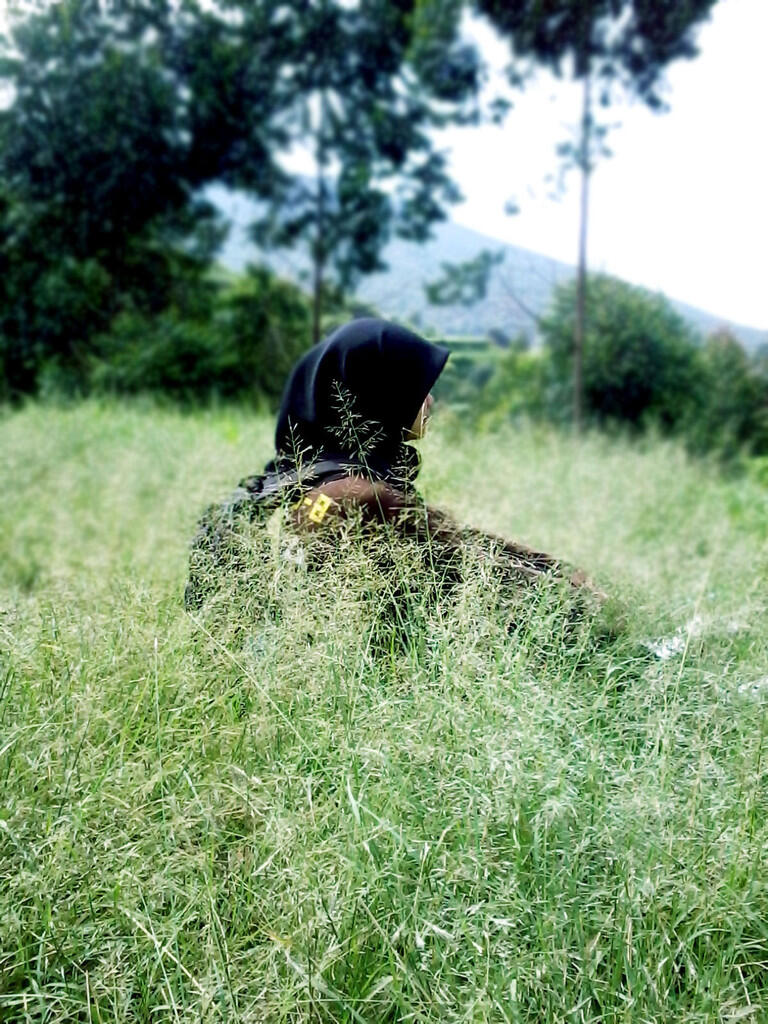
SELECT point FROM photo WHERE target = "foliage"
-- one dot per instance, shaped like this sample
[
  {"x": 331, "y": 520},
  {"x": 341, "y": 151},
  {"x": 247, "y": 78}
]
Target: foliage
[
  {"x": 643, "y": 366},
  {"x": 369, "y": 80},
  {"x": 167, "y": 353},
  {"x": 267, "y": 322},
  {"x": 627, "y": 42},
  {"x": 731, "y": 401},
  {"x": 464, "y": 284},
  {"x": 639, "y": 354},
  {"x": 96, "y": 155},
  {"x": 91, "y": 141},
  {"x": 116, "y": 122},
  {"x": 241, "y": 343},
  {"x": 120, "y": 115},
  {"x": 467, "y": 375},
  {"x": 265, "y": 823},
  {"x": 517, "y": 390}
]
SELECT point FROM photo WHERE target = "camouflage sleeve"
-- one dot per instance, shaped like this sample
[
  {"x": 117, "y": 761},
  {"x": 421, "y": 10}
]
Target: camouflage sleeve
[
  {"x": 515, "y": 561},
  {"x": 446, "y": 538},
  {"x": 412, "y": 517},
  {"x": 213, "y": 554}
]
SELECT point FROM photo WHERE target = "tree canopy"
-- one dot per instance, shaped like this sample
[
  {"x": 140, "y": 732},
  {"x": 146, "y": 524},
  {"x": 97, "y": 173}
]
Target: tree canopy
[
  {"x": 627, "y": 42},
  {"x": 120, "y": 114},
  {"x": 369, "y": 81}
]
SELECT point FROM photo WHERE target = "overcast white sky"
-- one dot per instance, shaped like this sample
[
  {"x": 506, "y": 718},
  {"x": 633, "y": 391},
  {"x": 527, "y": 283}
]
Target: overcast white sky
[{"x": 681, "y": 206}]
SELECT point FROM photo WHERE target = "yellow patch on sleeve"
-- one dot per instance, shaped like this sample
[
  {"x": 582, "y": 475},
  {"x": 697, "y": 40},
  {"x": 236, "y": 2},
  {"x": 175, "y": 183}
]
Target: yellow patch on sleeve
[
  {"x": 317, "y": 508},
  {"x": 320, "y": 507}
]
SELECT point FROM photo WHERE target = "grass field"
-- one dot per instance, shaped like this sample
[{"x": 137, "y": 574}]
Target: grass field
[{"x": 248, "y": 819}]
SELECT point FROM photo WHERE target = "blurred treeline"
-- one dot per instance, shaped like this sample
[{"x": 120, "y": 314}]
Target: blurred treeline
[
  {"x": 645, "y": 368},
  {"x": 115, "y": 117}
]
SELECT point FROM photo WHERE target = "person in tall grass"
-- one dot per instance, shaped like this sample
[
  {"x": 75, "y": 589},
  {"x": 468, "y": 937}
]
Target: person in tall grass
[{"x": 351, "y": 410}]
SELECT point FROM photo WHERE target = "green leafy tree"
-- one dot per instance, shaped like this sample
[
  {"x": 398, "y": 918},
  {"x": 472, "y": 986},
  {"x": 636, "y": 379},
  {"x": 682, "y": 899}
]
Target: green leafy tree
[
  {"x": 369, "y": 80},
  {"x": 640, "y": 356},
  {"x": 147, "y": 103},
  {"x": 610, "y": 46},
  {"x": 101, "y": 215},
  {"x": 120, "y": 114}
]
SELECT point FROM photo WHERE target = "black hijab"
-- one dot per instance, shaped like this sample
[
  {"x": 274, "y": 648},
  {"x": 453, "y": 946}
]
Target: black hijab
[{"x": 353, "y": 396}]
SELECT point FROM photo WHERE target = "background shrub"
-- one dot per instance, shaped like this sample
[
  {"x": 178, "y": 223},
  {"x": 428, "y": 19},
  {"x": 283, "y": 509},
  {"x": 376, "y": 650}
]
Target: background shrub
[
  {"x": 640, "y": 361},
  {"x": 730, "y": 411},
  {"x": 237, "y": 343}
]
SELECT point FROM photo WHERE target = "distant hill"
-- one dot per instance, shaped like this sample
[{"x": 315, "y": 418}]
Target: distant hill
[{"x": 519, "y": 290}]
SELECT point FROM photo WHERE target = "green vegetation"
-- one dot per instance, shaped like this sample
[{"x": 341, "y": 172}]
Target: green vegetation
[
  {"x": 115, "y": 123},
  {"x": 238, "y": 340},
  {"x": 639, "y": 360},
  {"x": 643, "y": 367},
  {"x": 249, "y": 817}
]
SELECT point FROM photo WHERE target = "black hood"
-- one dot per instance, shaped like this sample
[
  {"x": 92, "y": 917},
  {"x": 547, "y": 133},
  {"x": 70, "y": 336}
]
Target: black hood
[{"x": 355, "y": 394}]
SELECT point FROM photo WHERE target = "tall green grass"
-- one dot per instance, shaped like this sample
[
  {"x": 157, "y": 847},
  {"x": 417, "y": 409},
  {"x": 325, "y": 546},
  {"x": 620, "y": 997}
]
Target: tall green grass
[{"x": 258, "y": 814}]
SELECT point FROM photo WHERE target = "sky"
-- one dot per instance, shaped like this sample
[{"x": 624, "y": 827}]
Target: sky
[{"x": 680, "y": 207}]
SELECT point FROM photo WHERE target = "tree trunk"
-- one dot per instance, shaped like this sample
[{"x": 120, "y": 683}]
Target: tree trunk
[
  {"x": 318, "y": 261},
  {"x": 319, "y": 248},
  {"x": 581, "y": 273}
]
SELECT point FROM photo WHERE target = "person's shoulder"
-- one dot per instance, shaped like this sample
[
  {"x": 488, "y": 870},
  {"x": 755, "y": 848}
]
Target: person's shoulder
[{"x": 352, "y": 494}]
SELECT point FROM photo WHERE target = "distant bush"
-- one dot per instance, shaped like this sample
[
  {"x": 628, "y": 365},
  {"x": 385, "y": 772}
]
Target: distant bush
[
  {"x": 518, "y": 388},
  {"x": 46, "y": 318},
  {"x": 639, "y": 363},
  {"x": 730, "y": 409},
  {"x": 267, "y": 325},
  {"x": 166, "y": 353},
  {"x": 472, "y": 365},
  {"x": 642, "y": 366},
  {"x": 241, "y": 344}
]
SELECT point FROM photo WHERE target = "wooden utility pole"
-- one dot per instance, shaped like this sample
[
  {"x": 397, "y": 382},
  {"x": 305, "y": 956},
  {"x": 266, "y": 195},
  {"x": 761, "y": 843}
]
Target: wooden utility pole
[{"x": 581, "y": 273}]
